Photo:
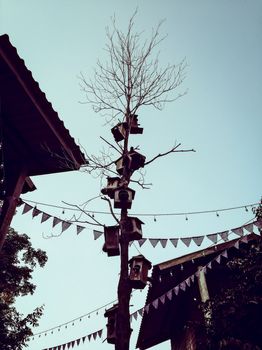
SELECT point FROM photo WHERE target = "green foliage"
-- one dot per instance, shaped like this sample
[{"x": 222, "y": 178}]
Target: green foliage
[
  {"x": 17, "y": 260},
  {"x": 236, "y": 312}
]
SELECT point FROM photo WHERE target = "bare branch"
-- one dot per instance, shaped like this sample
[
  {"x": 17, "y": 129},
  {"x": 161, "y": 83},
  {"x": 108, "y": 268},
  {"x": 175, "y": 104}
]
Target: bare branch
[
  {"x": 111, "y": 209},
  {"x": 172, "y": 150},
  {"x": 119, "y": 151}
]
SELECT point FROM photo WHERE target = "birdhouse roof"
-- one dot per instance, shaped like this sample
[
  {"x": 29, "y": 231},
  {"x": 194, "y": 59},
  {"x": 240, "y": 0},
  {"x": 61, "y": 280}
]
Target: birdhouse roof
[
  {"x": 136, "y": 219},
  {"x": 140, "y": 257}
]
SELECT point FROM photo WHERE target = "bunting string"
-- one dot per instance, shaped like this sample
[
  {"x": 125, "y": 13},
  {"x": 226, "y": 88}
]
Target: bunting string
[
  {"x": 198, "y": 240},
  {"x": 72, "y": 343}
]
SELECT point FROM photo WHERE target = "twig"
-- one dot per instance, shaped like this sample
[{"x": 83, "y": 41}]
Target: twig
[
  {"x": 111, "y": 209},
  {"x": 119, "y": 151},
  {"x": 173, "y": 150}
]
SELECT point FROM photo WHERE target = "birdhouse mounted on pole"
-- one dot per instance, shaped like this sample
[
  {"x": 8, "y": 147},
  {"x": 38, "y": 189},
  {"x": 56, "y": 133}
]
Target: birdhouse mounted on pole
[
  {"x": 111, "y": 324},
  {"x": 119, "y": 131},
  {"x": 134, "y": 126},
  {"x": 112, "y": 185},
  {"x": 132, "y": 227},
  {"x": 111, "y": 245},
  {"x": 138, "y": 273},
  {"x": 123, "y": 197},
  {"x": 133, "y": 161}
]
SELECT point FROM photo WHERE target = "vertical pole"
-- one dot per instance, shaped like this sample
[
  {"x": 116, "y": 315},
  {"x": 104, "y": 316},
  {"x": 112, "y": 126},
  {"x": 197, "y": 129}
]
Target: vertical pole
[{"x": 204, "y": 294}]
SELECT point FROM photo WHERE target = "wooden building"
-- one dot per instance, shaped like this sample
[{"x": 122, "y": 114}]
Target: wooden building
[
  {"x": 33, "y": 140},
  {"x": 173, "y": 315}
]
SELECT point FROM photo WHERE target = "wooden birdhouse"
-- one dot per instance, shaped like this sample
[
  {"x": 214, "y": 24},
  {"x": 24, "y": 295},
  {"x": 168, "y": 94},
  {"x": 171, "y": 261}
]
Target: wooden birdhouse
[
  {"x": 111, "y": 315},
  {"x": 119, "y": 131},
  {"x": 133, "y": 161},
  {"x": 111, "y": 245},
  {"x": 133, "y": 228},
  {"x": 138, "y": 273},
  {"x": 123, "y": 197},
  {"x": 112, "y": 185},
  {"x": 134, "y": 126}
]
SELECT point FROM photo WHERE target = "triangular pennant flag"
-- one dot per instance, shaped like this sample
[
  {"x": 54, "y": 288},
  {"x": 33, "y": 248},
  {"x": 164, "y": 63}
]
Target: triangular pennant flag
[
  {"x": 83, "y": 339},
  {"x": 78, "y": 341},
  {"x": 174, "y": 241},
  {"x": 204, "y": 269},
  {"x": 69, "y": 345},
  {"x": 45, "y": 217},
  {"x": 182, "y": 285},
  {"x": 209, "y": 265},
  {"x": 258, "y": 223},
  {"x": 186, "y": 241},
  {"x": 218, "y": 259},
  {"x": 59, "y": 347},
  {"x": 224, "y": 235},
  {"x": 135, "y": 315},
  {"x": 238, "y": 231},
  {"x": 56, "y": 221},
  {"x": 141, "y": 241},
  {"x": 65, "y": 225},
  {"x": 224, "y": 254},
  {"x": 176, "y": 290},
  {"x": 163, "y": 242},
  {"x": 95, "y": 335},
  {"x": 97, "y": 234},
  {"x": 236, "y": 245},
  {"x": 64, "y": 346},
  {"x": 198, "y": 240},
  {"x": 249, "y": 227},
  {"x": 89, "y": 336},
  {"x": 244, "y": 239},
  {"x": 213, "y": 237},
  {"x": 155, "y": 303},
  {"x": 153, "y": 241},
  {"x": 79, "y": 229},
  {"x": 188, "y": 281},
  {"x": 163, "y": 299},
  {"x": 192, "y": 278},
  {"x": 147, "y": 308},
  {"x": 35, "y": 212},
  {"x": 27, "y": 208},
  {"x": 100, "y": 333},
  {"x": 197, "y": 273},
  {"x": 140, "y": 311},
  {"x": 169, "y": 294},
  {"x": 73, "y": 343}
]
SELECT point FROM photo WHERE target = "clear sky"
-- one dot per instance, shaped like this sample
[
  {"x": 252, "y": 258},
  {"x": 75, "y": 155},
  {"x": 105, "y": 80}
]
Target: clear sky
[{"x": 220, "y": 117}]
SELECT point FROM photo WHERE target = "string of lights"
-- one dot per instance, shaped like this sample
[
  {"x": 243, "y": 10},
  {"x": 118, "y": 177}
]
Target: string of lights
[
  {"x": 246, "y": 207},
  {"x": 79, "y": 318}
]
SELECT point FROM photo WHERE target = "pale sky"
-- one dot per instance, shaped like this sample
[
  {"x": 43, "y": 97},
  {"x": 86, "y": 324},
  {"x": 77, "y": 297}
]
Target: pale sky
[{"x": 220, "y": 117}]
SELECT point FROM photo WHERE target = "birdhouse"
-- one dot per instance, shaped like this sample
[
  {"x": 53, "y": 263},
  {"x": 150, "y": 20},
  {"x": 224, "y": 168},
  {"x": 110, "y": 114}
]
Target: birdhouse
[
  {"x": 119, "y": 131},
  {"x": 134, "y": 126},
  {"x": 133, "y": 228},
  {"x": 111, "y": 245},
  {"x": 123, "y": 198},
  {"x": 112, "y": 185},
  {"x": 133, "y": 161},
  {"x": 138, "y": 273},
  {"x": 111, "y": 315}
]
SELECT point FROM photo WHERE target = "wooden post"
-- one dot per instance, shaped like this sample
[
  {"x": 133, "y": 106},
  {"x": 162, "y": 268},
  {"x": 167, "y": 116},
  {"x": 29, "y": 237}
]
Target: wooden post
[
  {"x": 15, "y": 186},
  {"x": 204, "y": 294}
]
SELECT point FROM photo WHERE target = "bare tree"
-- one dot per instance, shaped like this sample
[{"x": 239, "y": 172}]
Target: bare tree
[{"x": 130, "y": 79}]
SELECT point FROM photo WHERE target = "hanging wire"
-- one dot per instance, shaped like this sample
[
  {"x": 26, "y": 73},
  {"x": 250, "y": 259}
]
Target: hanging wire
[{"x": 154, "y": 215}]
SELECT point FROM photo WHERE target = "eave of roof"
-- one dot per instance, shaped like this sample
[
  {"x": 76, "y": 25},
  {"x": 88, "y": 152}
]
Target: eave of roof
[
  {"x": 32, "y": 116},
  {"x": 150, "y": 333}
]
